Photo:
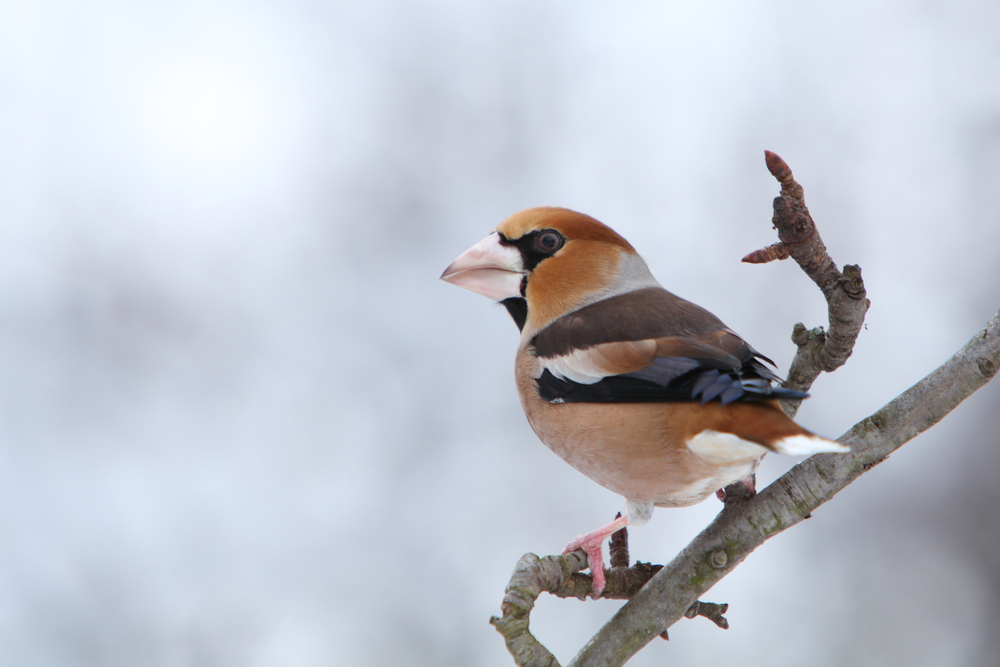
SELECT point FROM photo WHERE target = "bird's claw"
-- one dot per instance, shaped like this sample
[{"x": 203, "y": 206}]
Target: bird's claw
[{"x": 595, "y": 559}]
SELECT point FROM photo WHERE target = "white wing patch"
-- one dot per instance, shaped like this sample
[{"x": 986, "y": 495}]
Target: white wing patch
[
  {"x": 576, "y": 366},
  {"x": 807, "y": 445},
  {"x": 724, "y": 448},
  {"x": 598, "y": 362}
]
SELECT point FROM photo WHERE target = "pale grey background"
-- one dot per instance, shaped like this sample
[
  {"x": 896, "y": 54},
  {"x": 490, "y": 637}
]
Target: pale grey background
[{"x": 244, "y": 424}]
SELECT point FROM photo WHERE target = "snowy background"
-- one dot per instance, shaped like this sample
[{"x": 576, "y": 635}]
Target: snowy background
[{"x": 242, "y": 423}]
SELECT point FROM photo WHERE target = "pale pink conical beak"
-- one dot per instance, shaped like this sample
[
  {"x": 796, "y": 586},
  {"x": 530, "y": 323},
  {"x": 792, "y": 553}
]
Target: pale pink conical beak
[{"x": 488, "y": 268}]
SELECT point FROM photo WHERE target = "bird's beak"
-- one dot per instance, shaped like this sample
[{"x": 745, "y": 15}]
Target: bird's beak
[{"x": 488, "y": 268}]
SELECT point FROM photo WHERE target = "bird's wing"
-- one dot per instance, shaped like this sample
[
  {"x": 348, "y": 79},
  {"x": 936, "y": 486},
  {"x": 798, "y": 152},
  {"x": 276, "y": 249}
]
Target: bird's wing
[{"x": 649, "y": 345}]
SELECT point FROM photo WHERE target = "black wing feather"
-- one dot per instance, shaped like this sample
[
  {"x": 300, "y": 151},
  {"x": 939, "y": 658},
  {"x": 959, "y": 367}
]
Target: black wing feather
[{"x": 701, "y": 384}]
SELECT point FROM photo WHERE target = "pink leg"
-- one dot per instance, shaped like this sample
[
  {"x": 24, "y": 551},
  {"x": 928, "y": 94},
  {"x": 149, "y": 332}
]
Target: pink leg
[{"x": 591, "y": 544}]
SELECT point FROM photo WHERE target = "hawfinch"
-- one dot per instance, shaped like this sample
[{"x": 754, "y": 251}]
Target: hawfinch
[{"x": 643, "y": 392}]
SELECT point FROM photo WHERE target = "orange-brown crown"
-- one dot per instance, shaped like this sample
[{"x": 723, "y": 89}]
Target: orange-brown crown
[{"x": 569, "y": 223}]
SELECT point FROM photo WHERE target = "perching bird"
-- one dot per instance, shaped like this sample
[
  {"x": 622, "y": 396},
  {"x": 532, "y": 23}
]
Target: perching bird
[{"x": 645, "y": 393}]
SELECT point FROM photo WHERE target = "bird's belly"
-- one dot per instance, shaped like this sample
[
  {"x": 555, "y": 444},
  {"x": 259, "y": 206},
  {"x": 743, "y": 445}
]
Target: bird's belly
[
  {"x": 654, "y": 452},
  {"x": 638, "y": 451}
]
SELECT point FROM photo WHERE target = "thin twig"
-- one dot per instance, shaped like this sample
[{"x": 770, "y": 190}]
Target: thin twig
[
  {"x": 845, "y": 295},
  {"x": 618, "y": 549},
  {"x": 710, "y": 610},
  {"x": 772, "y": 252}
]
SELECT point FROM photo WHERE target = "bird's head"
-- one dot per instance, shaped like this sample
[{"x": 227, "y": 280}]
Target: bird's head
[{"x": 543, "y": 263}]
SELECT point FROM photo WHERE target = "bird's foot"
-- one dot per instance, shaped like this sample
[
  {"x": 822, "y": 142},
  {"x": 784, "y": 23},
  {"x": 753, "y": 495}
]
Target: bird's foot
[
  {"x": 592, "y": 545},
  {"x": 595, "y": 560}
]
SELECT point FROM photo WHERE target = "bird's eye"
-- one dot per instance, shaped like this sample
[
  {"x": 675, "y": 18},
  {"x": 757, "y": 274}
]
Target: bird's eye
[{"x": 548, "y": 242}]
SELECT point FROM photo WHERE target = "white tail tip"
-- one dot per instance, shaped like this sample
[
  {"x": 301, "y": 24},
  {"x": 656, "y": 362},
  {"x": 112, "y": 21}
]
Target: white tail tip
[{"x": 807, "y": 445}]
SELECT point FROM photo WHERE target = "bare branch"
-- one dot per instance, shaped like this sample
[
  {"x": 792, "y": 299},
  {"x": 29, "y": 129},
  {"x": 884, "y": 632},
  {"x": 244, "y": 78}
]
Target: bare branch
[
  {"x": 710, "y": 610},
  {"x": 532, "y": 575},
  {"x": 560, "y": 576},
  {"x": 772, "y": 252},
  {"x": 741, "y": 528},
  {"x": 618, "y": 548},
  {"x": 844, "y": 292}
]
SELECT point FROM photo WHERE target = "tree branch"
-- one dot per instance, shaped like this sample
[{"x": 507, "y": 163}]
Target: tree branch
[
  {"x": 844, "y": 292},
  {"x": 560, "y": 576}
]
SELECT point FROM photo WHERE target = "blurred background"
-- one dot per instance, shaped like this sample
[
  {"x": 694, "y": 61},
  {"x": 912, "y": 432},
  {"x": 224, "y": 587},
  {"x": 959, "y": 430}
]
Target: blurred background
[{"x": 243, "y": 423}]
